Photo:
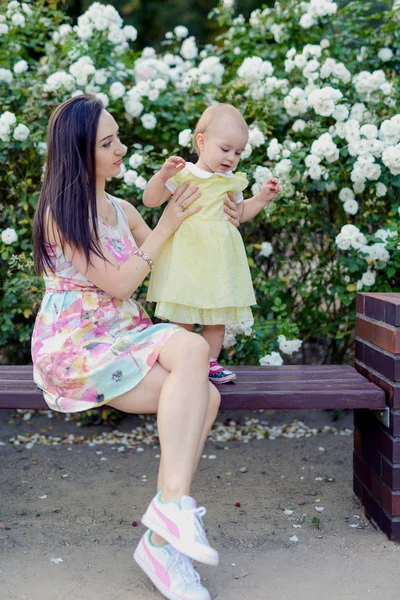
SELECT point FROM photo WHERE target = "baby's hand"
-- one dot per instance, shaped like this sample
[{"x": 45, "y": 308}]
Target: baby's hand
[
  {"x": 171, "y": 167},
  {"x": 270, "y": 189}
]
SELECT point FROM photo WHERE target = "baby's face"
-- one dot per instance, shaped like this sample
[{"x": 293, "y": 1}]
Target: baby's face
[{"x": 222, "y": 147}]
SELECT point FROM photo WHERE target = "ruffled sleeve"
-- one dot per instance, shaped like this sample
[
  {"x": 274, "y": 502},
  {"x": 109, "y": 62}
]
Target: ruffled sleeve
[
  {"x": 174, "y": 182},
  {"x": 239, "y": 183}
]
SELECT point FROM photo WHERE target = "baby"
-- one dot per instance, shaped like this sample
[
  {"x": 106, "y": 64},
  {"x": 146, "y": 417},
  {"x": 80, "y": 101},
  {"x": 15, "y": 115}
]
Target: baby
[{"x": 202, "y": 276}]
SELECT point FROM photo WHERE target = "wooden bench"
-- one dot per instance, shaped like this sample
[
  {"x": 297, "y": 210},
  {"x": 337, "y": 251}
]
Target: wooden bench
[
  {"x": 372, "y": 389},
  {"x": 286, "y": 387}
]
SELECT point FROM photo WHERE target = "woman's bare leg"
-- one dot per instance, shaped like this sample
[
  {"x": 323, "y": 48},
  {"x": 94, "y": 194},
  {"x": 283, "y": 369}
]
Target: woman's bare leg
[
  {"x": 182, "y": 407},
  {"x": 213, "y": 406}
]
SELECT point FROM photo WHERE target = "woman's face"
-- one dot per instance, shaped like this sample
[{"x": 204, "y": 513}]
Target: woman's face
[{"x": 109, "y": 149}]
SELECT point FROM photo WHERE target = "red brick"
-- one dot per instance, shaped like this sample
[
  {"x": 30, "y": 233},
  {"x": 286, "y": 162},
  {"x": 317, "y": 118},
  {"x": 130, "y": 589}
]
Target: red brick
[
  {"x": 364, "y": 329},
  {"x": 357, "y": 442},
  {"x": 374, "y": 306},
  {"x": 392, "y": 310},
  {"x": 392, "y": 391},
  {"x": 372, "y": 508},
  {"x": 391, "y": 475},
  {"x": 385, "y": 364},
  {"x": 388, "y": 499},
  {"x": 390, "y": 526},
  {"x": 360, "y": 351},
  {"x": 360, "y": 303},
  {"x": 361, "y": 471},
  {"x": 395, "y": 422},
  {"x": 385, "y": 338}
]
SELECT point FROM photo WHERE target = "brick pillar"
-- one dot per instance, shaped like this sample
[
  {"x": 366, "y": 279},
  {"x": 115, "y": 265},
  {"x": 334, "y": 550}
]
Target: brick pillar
[{"x": 377, "y": 446}]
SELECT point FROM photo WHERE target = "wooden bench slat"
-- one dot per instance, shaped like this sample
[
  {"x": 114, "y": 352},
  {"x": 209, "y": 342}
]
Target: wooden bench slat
[
  {"x": 285, "y": 387},
  {"x": 245, "y": 386},
  {"x": 238, "y": 368}
]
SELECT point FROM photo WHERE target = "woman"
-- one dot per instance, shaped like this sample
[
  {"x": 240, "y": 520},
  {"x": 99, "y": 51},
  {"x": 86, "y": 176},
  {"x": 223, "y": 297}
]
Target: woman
[{"x": 93, "y": 345}]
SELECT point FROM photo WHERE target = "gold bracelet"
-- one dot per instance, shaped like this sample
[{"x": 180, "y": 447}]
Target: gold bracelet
[{"x": 145, "y": 257}]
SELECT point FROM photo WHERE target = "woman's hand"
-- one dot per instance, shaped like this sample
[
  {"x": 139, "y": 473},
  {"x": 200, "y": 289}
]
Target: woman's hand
[
  {"x": 177, "y": 209},
  {"x": 231, "y": 209}
]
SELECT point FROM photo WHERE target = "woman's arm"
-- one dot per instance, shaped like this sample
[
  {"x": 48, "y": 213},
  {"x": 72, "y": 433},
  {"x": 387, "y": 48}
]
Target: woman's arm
[{"x": 121, "y": 280}]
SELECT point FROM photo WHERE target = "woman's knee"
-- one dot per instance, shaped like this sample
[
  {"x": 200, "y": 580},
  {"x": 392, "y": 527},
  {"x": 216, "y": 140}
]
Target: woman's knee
[
  {"x": 195, "y": 347},
  {"x": 215, "y": 401}
]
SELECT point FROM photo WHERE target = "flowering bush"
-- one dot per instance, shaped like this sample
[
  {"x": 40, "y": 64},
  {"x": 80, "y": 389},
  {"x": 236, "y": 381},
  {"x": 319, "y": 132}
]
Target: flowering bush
[{"x": 317, "y": 84}]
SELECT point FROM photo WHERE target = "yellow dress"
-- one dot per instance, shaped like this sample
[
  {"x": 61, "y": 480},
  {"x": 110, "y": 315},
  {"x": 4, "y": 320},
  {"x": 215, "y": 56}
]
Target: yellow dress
[{"x": 202, "y": 275}]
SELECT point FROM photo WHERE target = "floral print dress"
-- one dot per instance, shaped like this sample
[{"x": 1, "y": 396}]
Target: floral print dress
[{"x": 88, "y": 347}]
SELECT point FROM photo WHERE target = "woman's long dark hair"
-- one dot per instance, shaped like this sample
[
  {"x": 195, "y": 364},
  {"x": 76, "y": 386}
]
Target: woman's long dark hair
[{"x": 68, "y": 193}]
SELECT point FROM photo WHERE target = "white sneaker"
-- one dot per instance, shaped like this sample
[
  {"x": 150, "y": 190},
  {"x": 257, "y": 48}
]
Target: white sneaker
[
  {"x": 182, "y": 526},
  {"x": 170, "y": 571}
]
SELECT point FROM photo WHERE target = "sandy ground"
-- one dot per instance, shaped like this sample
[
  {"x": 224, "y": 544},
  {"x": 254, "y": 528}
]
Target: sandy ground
[{"x": 86, "y": 519}]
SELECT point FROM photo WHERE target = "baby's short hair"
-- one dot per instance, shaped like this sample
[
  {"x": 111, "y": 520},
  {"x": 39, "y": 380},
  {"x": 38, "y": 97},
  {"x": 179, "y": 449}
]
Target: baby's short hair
[{"x": 214, "y": 114}]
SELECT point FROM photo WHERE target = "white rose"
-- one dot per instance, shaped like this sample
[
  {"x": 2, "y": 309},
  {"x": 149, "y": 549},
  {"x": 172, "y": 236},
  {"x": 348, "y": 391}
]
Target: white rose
[
  {"x": 117, "y": 90},
  {"x": 391, "y": 159},
  {"x": 340, "y": 113},
  {"x": 368, "y": 278},
  {"x": 315, "y": 172},
  {"x": 271, "y": 359},
  {"x": 189, "y": 49},
  {"x": 283, "y": 167},
  {"x": 385, "y": 54},
  {"x": 185, "y": 138},
  {"x": 381, "y": 190},
  {"x": 3, "y": 28},
  {"x": 116, "y": 36},
  {"x": 8, "y": 118},
  {"x": 266, "y": 249},
  {"x": 121, "y": 172},
  {"x": 256, "y": 137},
  {"x": 18, "y": 19},
  {"x": 385, "y": 234},
  {"x": 375, "y": 252},
  {"x": 181, "y": 32},
  {"x": 306, "y": 21},
  {"x": 351, "y": 207},
  {"x": 9, "y": 236},
  {"x": 130, "y": 33},
  {"x": 346, "y": 194},
  {"x": 299, "y": 125},
  {"x": 274, "y": 150},
  {"x": 84, "y": 32},
  {"x": 246, "y": 152},
  {"x": 149, "y": 121},
  {"x": 103, "y": 98},
  {"x": 323, "y": 100},
  {"x": 6, "y": 75},
  {"x": 41, "y": 148},
  {"x": 20, "y": 67},
  {"x": 288, "y": 346},
  {"x": 331, "y": 186},
  {"x": 140, "y": 182},
  {"x": 229, "y": 340},
  {"x": 130, "y": 177},
  {"x": 133, "y": 107},
  {"x": 136, "y": 160},
  {"x": 369, "y": 131},
  {"x": 153, "y": 95},
  {"x": 21, "y": 132}
]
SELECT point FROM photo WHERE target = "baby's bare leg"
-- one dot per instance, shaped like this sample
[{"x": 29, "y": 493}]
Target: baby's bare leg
[{"x": 214, "y": 334}]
